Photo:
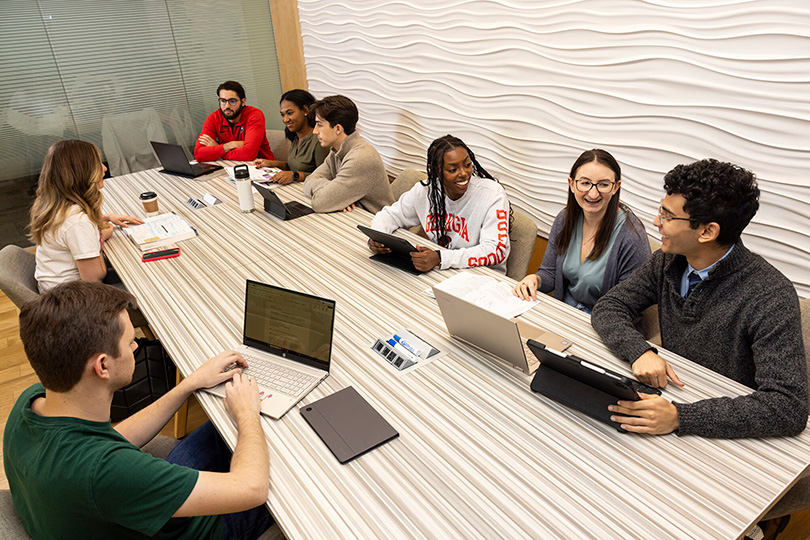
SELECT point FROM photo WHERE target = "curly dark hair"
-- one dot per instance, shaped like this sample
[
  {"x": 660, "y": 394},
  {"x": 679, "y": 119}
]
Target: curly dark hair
[
  {"x": 718, "y": 192},
  {"x": 435, "y": 180}
]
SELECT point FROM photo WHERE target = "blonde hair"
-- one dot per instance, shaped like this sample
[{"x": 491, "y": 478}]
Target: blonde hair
[{"x": 70, "y": 176}]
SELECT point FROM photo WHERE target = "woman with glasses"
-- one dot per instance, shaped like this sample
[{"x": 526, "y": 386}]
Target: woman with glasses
[
  {"x": 306, "y": 153},
  {"x": 595, "y": 241},
  {"x": 66, "y": 220}
]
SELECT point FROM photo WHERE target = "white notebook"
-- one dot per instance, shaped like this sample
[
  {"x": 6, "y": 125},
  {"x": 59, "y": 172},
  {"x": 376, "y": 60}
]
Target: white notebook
[{"x": 159, "y": 231}]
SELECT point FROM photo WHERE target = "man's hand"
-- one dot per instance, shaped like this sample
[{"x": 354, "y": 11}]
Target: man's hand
[
  {"x": 349, "y": 208},
  {"x": 651, "y": 369},
  {"x": 425, "y": 258},
  {"x": 242, "y": 397},
  {"x": 206, "y": 140},
  {"x": 652, "y": 414},
  {"x": 282, "y": 177},
  {"x": 213, "y": 371},
  {"x": 377, "y": 247},
  {"x": 228, "y": 146},
  {"x": 527, "y": 288},
  {"x": 122, "y": 221}
]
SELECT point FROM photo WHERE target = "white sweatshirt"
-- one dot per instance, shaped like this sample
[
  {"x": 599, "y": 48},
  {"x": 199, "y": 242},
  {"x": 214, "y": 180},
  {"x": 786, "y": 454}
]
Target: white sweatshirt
[{"x": 477, "y": 223}]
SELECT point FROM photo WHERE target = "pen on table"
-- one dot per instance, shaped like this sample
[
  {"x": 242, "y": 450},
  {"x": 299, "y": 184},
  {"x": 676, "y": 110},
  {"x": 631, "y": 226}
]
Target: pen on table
[{"x": 164, "y": 229}]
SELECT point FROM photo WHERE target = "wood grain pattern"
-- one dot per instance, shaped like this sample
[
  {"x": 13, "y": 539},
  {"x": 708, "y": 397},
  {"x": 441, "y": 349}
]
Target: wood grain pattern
[{"x": 479, "y": 456}]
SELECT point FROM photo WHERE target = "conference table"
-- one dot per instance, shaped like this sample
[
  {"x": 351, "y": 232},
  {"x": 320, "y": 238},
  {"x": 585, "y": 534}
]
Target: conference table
[{"x": 479, "y": 454}]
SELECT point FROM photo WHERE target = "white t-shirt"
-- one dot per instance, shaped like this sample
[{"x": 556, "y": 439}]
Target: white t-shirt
[
  {"x": 76, "y": 239},
  {"x": 477, "y": 223}
]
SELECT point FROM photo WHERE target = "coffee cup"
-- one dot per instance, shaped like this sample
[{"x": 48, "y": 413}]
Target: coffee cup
[{"x": 150, "y": 203}]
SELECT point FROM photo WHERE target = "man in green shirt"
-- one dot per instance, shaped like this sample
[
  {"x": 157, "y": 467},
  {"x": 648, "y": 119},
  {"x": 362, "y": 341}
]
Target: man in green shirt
[{"x": 72, "y": 475}]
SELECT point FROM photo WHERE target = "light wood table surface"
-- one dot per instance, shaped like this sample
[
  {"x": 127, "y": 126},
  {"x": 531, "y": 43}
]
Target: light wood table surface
[{"x": 479, "y": 454}]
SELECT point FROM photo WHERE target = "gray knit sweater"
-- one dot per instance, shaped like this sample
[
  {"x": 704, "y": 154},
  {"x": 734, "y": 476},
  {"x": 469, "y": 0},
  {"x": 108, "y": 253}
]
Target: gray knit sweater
[
  {"x": 353, "y": 174},
  {"x": 742, "y": 321}
]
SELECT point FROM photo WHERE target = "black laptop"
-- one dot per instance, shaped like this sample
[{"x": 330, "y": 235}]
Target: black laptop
[
  {"x": 174, "y": 161},
  {"x": 583, "y": 385},
  {"x": 401, "y": 250},
  {"x": 273, "y": 205}
]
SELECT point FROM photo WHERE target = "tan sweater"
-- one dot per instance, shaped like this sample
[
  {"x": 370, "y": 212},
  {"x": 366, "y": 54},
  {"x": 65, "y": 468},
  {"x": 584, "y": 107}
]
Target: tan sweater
[{"x": 354, "y": 174}]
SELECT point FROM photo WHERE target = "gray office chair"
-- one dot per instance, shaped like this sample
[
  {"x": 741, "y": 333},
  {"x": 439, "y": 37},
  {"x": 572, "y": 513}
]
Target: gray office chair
[
  {"x": 17, "y": 274},
  {"x": 279, "y": 143},
  {"x": 405, "y": 181},
  {"x": 522, "y": 237},
  {"x": 11, "y": 526}
]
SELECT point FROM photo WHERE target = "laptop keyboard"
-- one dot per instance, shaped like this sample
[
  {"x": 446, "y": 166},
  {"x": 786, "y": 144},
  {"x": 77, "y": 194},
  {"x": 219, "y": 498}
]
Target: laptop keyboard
[{"x": 276, "y": 376}]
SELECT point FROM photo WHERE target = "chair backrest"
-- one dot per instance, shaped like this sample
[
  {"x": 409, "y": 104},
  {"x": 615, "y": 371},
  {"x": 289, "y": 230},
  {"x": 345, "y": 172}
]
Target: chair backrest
[
  {"x": 279, "y": 144},
  {"x": 405, "y": 181},
  {"x": 17, "y": 274},
  {"x": 522, "y": 237}
]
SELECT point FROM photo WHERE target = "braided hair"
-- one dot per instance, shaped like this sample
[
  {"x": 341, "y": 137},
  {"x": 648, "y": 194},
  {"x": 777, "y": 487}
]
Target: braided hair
[{"x": 435, "y": 181}]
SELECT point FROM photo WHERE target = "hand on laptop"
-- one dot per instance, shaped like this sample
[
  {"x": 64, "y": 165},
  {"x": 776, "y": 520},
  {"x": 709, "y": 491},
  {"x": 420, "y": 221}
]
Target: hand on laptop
[
  {"x": 213, "y": 371},
  {"x": 651, "y": 414},
  {"x": 425, "y": 258},
  {"x": 377, "y": 247},
  {"x": 526, "y": 289},
  {"x": 242, "y": 397},
  {"x": 651, "y": 369}
]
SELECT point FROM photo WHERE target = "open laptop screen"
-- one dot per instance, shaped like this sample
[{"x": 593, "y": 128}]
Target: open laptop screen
[{"x": 291, "y": 324}]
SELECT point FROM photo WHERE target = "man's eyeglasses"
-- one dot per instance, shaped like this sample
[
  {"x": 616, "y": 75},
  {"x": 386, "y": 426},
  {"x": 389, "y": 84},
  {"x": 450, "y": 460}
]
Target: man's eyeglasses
[
  {"x": 602, "y": 186},
  {"x": 662, "y": 217},
  {"x": 233, "y": 102}
]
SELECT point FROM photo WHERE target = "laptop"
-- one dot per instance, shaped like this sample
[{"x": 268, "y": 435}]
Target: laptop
[
  {"x": 582, "y": 384},
  {"x": 175, "y": 161},
  {"x": 492, "y": 332},
  {"x": 401, "y": 249},
  {"x": 287, "y": 342},
  {"x": 274, "y": 206}
]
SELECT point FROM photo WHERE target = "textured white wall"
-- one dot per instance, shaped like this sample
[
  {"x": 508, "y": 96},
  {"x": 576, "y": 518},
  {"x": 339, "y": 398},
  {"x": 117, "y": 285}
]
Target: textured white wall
[{"x": 530, "y": 84}]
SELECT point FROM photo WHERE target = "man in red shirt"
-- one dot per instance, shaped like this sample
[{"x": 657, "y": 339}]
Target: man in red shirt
[{"x": 234, "y": 131}]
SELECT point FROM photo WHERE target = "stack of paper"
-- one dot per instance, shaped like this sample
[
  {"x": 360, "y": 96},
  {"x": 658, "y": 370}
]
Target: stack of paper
[
  {"x": 159, "y": 231},
  {"x": 487, "y": 292}
]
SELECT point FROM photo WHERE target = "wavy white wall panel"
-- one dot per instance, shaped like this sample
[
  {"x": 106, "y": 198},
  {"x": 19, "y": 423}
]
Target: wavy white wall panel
[{"x": 530, "y": 84}]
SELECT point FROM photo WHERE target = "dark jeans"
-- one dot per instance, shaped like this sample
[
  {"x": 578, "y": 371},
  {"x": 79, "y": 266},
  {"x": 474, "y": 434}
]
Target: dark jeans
[{"x": 204, "y": 450}]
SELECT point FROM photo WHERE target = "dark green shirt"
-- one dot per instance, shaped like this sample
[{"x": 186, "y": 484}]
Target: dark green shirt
[
  {"x": 306, "y": 156},
  {"x": 73, "y": 478}
]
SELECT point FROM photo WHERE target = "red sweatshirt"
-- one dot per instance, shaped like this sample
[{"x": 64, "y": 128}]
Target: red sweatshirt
[{"x": 250, "y": 129}]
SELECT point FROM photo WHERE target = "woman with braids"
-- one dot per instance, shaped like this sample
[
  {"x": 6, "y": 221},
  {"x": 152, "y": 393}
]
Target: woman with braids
[
  {"x": 461, "y": 207},
  {"x": 66, "y": 220},
  {"x": 306, "y": 153},
  {"x": 594, "y": 243}
]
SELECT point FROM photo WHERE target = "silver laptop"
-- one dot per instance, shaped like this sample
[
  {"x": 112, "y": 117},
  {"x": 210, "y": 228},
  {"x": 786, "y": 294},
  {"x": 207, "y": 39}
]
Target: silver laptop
[
  {"x": 287, "y": 342},
  {"x": 494, "y": 333}
]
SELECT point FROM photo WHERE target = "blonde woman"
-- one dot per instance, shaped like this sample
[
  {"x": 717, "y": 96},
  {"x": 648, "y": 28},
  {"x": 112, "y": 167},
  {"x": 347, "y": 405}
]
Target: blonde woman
[{"x": 66, "y": 220}]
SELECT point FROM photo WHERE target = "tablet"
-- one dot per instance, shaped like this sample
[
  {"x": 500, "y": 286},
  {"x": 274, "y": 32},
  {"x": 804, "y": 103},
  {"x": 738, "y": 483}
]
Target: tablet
[
  {"x": 401, "y": 249},
  {"x": 581, "y": 384}
]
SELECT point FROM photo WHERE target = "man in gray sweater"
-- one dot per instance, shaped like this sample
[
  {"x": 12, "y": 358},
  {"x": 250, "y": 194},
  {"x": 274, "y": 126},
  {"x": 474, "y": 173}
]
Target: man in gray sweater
[
  {"x": 720, "y": 305},
  {"x": 353, "y": 172}
]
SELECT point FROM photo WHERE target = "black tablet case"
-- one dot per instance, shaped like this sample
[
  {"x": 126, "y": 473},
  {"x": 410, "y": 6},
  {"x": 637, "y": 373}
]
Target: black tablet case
[
  {"x": 574, "y": 393},
  {"x": 347, "y": 424}
]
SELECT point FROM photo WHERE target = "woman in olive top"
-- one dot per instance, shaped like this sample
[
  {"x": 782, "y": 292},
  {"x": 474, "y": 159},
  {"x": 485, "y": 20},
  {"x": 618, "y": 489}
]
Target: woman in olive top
[
  {"x": 305, "y": 151},
  {"x": 594, "y": 243}
]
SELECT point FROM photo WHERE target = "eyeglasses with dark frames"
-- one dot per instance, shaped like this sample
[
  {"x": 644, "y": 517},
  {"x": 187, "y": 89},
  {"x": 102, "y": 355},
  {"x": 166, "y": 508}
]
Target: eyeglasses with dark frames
[
  {"x": 233, "y": 102},
  {"x": 663, "y": 217},
  {"x": 584, "y": 185}
]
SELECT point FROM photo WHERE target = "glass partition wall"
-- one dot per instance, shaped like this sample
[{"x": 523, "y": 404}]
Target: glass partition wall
[{"x": 119, "y": 73}]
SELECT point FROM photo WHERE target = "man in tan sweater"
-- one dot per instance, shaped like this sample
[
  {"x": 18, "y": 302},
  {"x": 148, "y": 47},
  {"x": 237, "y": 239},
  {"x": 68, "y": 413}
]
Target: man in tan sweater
[{"x": 353, "y": 172}]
